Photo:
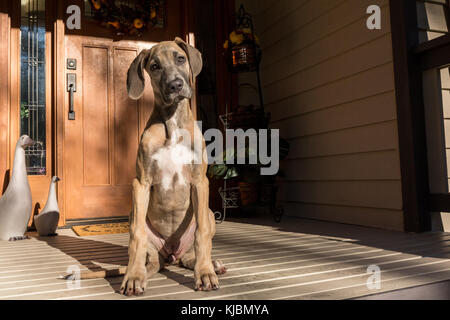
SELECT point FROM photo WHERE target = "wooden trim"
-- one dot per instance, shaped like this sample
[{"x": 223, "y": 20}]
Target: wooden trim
[
  {"x": 410, "y": 112},
  {"x": 434, "y": 53},
  {"x": 436, "y": 202},
  {"x": 58, "y": 59},
  {"x": 432, "y": 44},
  {"x": 14, "y": 121},
  {"x": 188, "y": 25},
  {"x": 226, "y": 82},
  {"x": 5, "y": 30},
  {"x": 39, "y": 183}
]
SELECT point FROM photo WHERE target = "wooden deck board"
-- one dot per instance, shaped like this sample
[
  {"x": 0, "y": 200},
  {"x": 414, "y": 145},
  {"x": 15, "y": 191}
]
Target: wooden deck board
[{"x": 298, "y": 259}]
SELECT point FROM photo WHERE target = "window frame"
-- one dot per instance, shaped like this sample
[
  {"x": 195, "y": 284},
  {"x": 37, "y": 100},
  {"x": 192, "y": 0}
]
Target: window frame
[{"x": 411, "y": 59}]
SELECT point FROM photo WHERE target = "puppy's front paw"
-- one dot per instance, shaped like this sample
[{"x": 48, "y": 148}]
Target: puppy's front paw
[
  {"x": 134, "y": 282},
  {"x": 219, "y": 267},
  {"x": 206, "y": 278}
]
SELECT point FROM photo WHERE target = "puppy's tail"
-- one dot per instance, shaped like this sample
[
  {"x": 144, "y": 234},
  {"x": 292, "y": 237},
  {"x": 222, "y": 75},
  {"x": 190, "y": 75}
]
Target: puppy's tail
[{"x": 95, "y": 274}]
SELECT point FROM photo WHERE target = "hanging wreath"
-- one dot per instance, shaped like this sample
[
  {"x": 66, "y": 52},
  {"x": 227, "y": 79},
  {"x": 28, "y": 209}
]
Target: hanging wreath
[{"x": 132, "y": 17}]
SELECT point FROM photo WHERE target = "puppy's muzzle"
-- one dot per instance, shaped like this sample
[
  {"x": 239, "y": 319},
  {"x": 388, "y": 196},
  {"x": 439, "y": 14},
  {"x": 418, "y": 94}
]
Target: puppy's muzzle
[{"x": 175, "y": 86}]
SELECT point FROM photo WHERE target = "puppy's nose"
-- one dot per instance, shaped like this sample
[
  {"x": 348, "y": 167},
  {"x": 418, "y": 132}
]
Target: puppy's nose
[{"x": 175, "y": 86}]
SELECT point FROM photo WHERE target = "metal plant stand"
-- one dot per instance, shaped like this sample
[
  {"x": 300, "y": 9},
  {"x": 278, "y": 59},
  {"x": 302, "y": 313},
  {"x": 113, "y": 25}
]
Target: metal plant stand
[{"x": 231, "y": 196}]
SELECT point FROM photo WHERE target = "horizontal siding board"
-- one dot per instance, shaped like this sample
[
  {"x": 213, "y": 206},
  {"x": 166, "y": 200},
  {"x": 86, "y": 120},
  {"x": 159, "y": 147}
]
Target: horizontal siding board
[
  {"x": 379, "y": 108},
  {"x": 367, "y": 194},
  {"x": 381, "y": 136},
  {"x": 372, "y": 217},
  {"x": 328, "y": 83},
  {"x": 359, "y": 86},
  {"x": 260, "y": 7},
  {"x": 297, "y": 18},
  {"x": 306, "y": 34},
  {"x": 331, "y": 47},
  {"x": 364, "y": 58},
  {"x": 274, "y": 12},
  {"x": 383, "y": 165}
]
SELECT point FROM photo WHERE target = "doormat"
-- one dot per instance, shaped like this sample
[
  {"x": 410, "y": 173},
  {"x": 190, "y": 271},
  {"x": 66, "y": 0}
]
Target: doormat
[{"x": 100, "y": 229}]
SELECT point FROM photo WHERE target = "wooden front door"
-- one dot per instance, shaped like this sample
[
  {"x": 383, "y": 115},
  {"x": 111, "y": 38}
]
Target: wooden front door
[{"x": 100, "y": 144}]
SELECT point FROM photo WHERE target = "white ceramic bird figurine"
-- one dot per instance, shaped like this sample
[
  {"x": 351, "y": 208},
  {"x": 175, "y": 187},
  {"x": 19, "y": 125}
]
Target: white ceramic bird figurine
[
  {"x": 46, "y": 221},
  {"x": 16, "y": 203}
]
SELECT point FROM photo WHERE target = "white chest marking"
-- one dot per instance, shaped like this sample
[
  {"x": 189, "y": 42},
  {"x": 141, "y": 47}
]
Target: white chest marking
[{"x": 171, "y": 161}]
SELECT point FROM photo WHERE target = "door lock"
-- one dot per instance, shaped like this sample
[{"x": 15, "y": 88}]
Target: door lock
[{"x": 72, "y": 64}]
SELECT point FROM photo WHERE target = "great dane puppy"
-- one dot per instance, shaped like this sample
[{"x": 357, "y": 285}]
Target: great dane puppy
[{"x": 171, "y": 221}]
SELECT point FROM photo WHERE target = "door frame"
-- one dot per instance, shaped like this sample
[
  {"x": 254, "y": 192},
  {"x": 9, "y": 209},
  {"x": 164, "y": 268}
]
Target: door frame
[
  {"x": 59, "y": 67},
  {"x": 10, "y": 25},
  {"x": 38, "y": 183}
]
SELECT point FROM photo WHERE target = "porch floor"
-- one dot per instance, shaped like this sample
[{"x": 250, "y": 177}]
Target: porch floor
[{"x": 297, "y": 259}]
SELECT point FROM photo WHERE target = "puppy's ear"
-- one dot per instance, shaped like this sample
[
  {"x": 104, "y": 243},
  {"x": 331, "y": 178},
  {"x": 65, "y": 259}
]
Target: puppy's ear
[
  {"x": 195, "y": 57},
  {"x": 136, "y": 79}
]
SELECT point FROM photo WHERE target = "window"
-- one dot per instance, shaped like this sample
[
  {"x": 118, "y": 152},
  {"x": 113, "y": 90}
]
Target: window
[
  {"x": 32, "y": 83},
  {"x": 432, "y": 19}
]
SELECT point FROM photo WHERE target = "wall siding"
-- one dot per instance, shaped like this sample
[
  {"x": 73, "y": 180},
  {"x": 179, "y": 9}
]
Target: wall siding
[{"x": 328, "y": 82}]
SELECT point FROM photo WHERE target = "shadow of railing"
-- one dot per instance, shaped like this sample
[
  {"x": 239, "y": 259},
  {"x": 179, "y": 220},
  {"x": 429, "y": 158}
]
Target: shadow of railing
[
  {"x": 360, "y": 235},
  {"x": 97, "y": 255}
]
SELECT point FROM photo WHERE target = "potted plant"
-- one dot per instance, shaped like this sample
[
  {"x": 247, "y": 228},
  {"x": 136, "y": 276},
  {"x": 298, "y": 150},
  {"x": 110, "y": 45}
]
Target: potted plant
[
  {"x": 252, "y": 185},
  {"x": 247, "y": 174},
  {"x": 224, "y": 170}
]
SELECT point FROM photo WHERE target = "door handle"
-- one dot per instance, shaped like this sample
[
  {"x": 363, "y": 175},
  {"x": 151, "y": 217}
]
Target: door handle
[{"x": 71, "y": 88}]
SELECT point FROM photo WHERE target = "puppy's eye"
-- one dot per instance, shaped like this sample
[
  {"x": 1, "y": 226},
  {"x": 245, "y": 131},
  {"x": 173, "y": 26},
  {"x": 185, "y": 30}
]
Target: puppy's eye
[
  {"x": 154, "y": 66},
  {"x": 181, "y": 59}
]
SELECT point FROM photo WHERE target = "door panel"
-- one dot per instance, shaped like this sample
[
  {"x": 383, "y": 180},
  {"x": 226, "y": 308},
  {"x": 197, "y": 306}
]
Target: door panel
[
  {"x": 101, "y": 143},
  {"x": 126, "y": 120},
  {"x": 95, "y": 113}
]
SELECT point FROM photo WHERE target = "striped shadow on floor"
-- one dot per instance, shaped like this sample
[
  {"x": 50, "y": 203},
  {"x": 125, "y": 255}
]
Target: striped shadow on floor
[{"x": 298, "y": 259}]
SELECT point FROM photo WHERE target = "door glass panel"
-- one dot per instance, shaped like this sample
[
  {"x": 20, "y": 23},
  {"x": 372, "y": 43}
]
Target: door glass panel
[
  {"x": 432, "y": 18},
  {"x": 32, "y": 83}
]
